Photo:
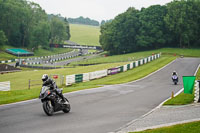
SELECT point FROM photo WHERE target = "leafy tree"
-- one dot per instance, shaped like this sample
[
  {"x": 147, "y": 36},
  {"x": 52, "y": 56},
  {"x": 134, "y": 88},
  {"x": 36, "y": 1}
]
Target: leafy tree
[
  {"x": 67, "y": 29},
  {"x": 41, "y": 35},
  {"x": 174, "y": 25},
  {"x": 119, "y": 36},
  {"x": 58, "y": 30},
  {"x": 152, "y": 31},
  {"x": 18, "y": 20},
  {"x": 183, "y": 20},
  {"x": 26, "y": 24},
  {"x": 10, "y": 16},
  {"x": 103, "y": 22},
  {"x": 82, "y": 20},
  {"x": 3, "y": 39}
]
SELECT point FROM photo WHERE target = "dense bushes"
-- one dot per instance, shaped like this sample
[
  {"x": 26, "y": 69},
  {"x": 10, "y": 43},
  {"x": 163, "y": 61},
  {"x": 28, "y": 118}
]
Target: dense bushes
[
  {"x": 176, "y": 24},
  {"x": 25, "y": 24}
]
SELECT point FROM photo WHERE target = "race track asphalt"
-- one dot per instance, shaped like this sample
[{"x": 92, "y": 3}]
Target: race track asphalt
[{"x": 99, "y": 110}]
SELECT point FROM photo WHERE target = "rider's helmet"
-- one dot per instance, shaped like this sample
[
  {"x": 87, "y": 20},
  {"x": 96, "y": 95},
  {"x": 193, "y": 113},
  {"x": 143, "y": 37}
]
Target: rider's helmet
[
  {"x": 44, "y": 77},
  {"x": 174, "y": 73}
]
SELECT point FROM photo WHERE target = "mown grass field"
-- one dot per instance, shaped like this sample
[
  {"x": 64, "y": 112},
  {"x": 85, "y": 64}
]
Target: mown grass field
[
  {"x": 85, "y": 34},
  {"x": 192, "y": 127}
]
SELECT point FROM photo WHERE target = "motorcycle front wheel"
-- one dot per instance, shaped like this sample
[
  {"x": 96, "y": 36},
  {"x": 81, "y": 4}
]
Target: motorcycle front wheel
[{"x": 48, "y": 108}]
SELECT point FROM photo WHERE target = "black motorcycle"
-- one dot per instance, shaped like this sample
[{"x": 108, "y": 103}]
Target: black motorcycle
[
  {"x": 52, "y": 102},
  {"x": 175, "y": 79}
]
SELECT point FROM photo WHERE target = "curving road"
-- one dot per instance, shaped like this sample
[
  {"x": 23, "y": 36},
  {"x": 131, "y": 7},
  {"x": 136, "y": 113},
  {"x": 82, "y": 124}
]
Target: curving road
[{"x": 99, "y": 110}]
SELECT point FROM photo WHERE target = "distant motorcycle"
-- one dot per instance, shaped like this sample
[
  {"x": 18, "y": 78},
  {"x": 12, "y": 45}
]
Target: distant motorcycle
[
  {"x": 52, "y": 102},
  {"x": 175, "y": 79}
]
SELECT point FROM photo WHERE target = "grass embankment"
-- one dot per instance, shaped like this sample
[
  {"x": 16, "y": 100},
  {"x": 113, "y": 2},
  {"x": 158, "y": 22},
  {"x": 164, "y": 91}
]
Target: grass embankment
[
  {"x": 84, "y": 34},
  {"x": 132, "y": 56},
  {"x": 183, "y": 98},
  {"x": 19, "y": 80},
  {"x": 193, "y": 127}
]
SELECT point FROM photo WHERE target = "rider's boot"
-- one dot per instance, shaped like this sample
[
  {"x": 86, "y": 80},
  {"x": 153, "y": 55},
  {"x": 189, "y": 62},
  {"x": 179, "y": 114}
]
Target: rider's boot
[{"x": 63, "y": 99}]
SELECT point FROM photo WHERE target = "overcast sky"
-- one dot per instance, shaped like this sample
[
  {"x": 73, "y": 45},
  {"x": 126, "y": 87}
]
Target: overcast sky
[{"x": 94, "y": 9}]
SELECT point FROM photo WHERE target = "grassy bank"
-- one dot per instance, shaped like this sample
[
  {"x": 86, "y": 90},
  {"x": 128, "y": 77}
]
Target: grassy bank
[
  {"x": 84, "y": 34},
  {"x": 132, "y": 56},
  {"x": 193, "y": 127}
]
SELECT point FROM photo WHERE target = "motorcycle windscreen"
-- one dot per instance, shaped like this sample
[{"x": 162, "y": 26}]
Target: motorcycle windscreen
[{"x": 44, "y": 89}]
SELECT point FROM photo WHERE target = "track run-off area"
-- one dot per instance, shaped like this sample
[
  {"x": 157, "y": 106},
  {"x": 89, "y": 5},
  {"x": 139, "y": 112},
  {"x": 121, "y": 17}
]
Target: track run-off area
[{"x": 99, "y": 110}]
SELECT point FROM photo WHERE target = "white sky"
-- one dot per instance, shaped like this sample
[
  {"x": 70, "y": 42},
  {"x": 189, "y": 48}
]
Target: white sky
[{"x": 94, "y": 9}]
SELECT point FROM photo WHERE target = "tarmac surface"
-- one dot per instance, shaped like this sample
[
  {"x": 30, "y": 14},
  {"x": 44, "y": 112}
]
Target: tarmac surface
[
  {"x": 100, "y": 110},
  {"x": 165, "y": 116}
]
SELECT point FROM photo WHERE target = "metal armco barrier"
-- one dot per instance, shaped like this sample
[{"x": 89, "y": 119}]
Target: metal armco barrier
[{"x": 77, "y": 78}]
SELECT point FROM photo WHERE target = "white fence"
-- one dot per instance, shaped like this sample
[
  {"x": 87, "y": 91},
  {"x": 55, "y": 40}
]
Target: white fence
[
  {"x": 5, "y": 86},
  {"x": 98, "y": 74},
  {"x": 70, "y": 79}
]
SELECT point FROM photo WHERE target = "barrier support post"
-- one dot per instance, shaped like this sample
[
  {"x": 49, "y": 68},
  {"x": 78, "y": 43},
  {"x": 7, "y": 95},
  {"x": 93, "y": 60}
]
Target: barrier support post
[{"x": 29, "y": 84}]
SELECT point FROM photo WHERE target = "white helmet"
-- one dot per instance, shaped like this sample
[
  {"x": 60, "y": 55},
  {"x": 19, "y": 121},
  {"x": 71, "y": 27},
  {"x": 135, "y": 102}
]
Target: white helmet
[
  {"x": 44, "y": 77},
  {"x": 174, "y": 72}
]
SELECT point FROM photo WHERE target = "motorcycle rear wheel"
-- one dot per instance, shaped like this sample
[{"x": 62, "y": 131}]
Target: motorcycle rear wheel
[{"x": 48, "y": 108}]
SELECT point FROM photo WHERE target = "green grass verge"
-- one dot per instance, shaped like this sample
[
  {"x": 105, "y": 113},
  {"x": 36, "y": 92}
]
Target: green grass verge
[
  {"x": 192, "y": 127},
  {"x": 138, "y": 55},
  {"x": 5, "y": 56},
  {"x": 182, "y": 98},
  {"x": 52, "y": 51},
  {"x": 20, "y": 79},
  {"x": 138, "y": 73},
  {"x": 84, "y": 34},
  {"x": 193, "y": 52}
]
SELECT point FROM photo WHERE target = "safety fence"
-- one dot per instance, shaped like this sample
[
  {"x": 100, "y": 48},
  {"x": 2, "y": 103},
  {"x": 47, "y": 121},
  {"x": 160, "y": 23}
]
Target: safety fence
[
  {"x": 48, "y": 59},
  {"x": 5, "y": 86},
  {"x": 9, "y": 61},
  {"x": 77, "y": 78},
  {"x": 197, "y": 91},
  {"x": 59, "y": 79}
]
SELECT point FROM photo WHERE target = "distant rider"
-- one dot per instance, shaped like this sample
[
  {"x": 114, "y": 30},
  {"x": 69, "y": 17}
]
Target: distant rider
[
  {"x": 174, "y": 74},
  {"x": 52, "y": 84}
]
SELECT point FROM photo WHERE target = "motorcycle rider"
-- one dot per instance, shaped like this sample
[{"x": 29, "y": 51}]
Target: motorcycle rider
[
  {"x": 174, "y": 73},
  {"x": 52, "y": 84}
]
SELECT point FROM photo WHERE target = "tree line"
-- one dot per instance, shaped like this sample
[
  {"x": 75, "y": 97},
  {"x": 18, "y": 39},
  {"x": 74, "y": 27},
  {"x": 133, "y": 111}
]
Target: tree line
[
  {"x": 176, "y": 24},
  {"x": 82, "y": 20},
  {"x": 25, "y": 24}
]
